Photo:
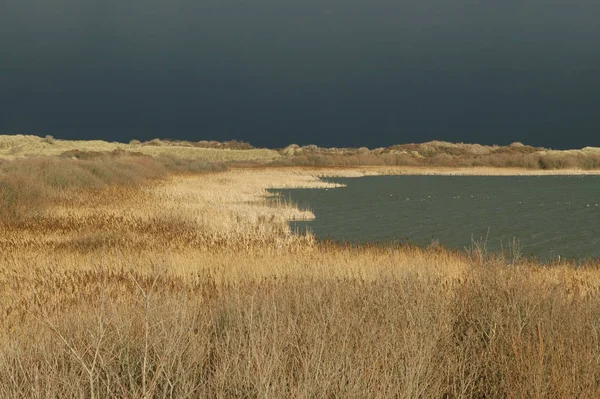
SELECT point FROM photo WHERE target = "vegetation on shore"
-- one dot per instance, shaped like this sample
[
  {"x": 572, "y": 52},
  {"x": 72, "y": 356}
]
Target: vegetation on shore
[
  {"x": 124, "y": 275},
  {"x": 443, "y": 154},
  {"x": 18, "y": 146},
  {"x": 430, "y": 154},
  {"x": 29, "y": 185},
  {"x": 327, "y": 322}
]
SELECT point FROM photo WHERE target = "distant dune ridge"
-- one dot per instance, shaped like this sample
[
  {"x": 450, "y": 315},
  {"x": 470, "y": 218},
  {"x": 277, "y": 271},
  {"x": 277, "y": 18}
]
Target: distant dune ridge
[
  {"x": 433, "y": 153},
  {"x": 440, "y": 153},
  {"x": 15, "y": 146}
]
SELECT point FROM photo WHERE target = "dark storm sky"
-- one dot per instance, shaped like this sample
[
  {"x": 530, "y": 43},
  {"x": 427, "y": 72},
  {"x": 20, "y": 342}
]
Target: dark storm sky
[{"x": 328, "y": 72}]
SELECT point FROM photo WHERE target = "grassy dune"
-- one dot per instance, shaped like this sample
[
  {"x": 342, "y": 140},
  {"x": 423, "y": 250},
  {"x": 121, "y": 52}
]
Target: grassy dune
[
  {"x": 424, "y": 155},
  {"x": 443, "y": 154},
  {"x": 133, "y": 277},
  {"x": 17, "y": 146}
]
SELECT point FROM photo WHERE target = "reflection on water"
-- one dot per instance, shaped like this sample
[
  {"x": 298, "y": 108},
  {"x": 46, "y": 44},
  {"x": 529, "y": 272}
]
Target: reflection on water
[{"x": 548, "y": 215}]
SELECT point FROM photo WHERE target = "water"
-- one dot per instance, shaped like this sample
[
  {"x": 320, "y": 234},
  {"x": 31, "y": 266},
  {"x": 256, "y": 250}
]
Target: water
[{"x": 548, "y": 216}]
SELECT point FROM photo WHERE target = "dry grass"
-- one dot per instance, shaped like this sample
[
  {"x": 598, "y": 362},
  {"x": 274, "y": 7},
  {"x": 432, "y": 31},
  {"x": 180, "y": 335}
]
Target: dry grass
[
  {"x": 370, "y": 170},
  {"x": 28, "y": 186},
  {"x": 442, "y": 154},
  {"x": 430, "y": 154},
  {"x": 194, "y": 286},
  {"x": 326, "y": 322},
  {"x": 18, "y": 146}
]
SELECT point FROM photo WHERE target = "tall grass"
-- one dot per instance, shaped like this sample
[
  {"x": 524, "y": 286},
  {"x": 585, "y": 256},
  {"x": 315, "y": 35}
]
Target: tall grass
[
  {"x": 28, "y": 186},
  {"x": 492, "y": 332},
  {"x": 430, "y": 154},
  {"x": 441, "y": 154},
  {"x": 526, "y": 161},
  {"x": 126, "y": 283},
  {"x": 15, "y": 146}
]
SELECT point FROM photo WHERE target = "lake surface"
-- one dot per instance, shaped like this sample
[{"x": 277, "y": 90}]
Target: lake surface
[{"x": 549, "y": 215}]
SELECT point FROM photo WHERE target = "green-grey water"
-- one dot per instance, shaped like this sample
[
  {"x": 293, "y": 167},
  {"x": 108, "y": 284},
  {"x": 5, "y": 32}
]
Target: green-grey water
[{"x": 548, "y": 216}]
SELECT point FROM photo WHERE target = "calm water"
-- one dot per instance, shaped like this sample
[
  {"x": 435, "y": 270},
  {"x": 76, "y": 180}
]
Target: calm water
[{"x": 550, "y": 215}]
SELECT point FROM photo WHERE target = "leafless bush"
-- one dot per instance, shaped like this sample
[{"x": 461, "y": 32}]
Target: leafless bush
[
  {"x": 496, "y": 333},
  {"x": 28, "y": 185},
  {"x": 441, "y": 154}
]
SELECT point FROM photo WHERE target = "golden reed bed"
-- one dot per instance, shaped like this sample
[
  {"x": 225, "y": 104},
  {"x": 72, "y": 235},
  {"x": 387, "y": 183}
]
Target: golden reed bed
[{"x": 194, "y": 286}]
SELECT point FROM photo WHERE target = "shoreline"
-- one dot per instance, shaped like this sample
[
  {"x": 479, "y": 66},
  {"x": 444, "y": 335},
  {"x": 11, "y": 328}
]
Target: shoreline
[
  {"x": 297, "y": 178},
  {"x": 361, "y": 171}
]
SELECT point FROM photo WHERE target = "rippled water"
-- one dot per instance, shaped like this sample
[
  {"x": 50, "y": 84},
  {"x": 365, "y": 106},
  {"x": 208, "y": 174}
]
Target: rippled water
[{"x": 549, "y": 215}]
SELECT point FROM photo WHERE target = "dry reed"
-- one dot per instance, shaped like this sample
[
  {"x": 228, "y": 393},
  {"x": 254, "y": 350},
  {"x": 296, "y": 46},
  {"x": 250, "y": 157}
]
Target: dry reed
[{"x": 194, "y": 286}]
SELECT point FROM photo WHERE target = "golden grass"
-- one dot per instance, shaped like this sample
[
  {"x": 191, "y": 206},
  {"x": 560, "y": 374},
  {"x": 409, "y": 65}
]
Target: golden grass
[
  {"x": 18, "y": 146},
  {"x": 442, "y": 154},
  {"x": 374, "y": 170},
  {"x": 194, "y": 286},
  {"x": 434, "y": 154}
]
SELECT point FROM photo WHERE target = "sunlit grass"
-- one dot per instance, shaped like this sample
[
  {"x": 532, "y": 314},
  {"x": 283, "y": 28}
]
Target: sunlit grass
[
  {"x": 17, "y": 146},
  {"x": 193, "y": 285}
]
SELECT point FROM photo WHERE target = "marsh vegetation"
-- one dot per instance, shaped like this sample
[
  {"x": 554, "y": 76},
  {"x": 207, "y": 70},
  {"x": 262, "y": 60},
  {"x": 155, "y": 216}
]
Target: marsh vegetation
[{"x": 128, "y": 276}]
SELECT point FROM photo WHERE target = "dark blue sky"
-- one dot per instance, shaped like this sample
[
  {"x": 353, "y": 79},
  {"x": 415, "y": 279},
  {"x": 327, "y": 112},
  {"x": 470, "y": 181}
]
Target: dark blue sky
[{"x": 328, "y": 72}]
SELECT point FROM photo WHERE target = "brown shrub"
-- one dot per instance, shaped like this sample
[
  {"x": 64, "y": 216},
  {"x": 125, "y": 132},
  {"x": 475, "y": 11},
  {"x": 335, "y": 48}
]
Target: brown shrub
[
  {"x": 231, "y": 144},
  {"x": 497, "y": 332},
  {"x": 49, "y": 139},
  {"x": 439, "y": 154}
]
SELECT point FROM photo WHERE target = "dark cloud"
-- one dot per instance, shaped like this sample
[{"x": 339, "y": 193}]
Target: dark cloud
[{"x": 331, "y": 72}]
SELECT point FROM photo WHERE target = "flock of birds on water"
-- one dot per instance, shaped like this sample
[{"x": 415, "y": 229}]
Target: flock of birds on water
[
  {"x": 476, "y": 198},
  {"x": 429, "y": 198},
  {"x": 540, "y": 244}
]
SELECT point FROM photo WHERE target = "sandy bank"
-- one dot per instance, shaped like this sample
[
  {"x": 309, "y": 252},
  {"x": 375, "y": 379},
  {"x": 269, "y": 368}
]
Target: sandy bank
[
  {"x": 420, "y": 171},
  {"x": 244, "y": 191}
]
